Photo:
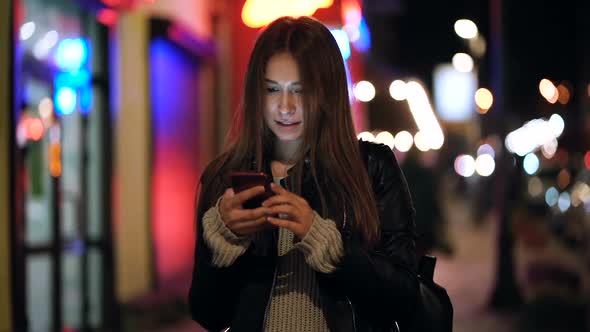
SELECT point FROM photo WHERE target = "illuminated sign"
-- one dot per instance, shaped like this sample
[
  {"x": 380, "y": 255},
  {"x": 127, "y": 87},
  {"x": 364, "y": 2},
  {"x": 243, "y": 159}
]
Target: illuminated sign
[{"x": 258, "y": 13}]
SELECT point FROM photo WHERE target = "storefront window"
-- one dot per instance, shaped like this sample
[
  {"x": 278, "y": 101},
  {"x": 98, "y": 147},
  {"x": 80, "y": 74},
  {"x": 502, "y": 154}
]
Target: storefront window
[{"x": 62, "y": 134}]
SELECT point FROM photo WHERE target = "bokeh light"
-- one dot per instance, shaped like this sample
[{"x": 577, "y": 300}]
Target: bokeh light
[
  {"x": 548, "y": 149},
  {"x": 580, "y": 194},
  {"x": 465, "y": 165},
  {"x": 484, "y": 100},
  {"x": 563, "y": 179},
  {"x": 27, "y": 30},
  {"x": 485, "y": 165},
  {"x": 45, "y": 44},
  {"x": 35, "y": 129},
  {"x": 466, "y": 29},
  {"x": 564, "y": 201},
  {"x": 364, "y": 91},
  {"x": 535, "y": 186},
  {"x": 386, "y": 138},
  {"x": 486, "y": 149},
  {"x": 72, "y": 54},
  {"x": 551, "y": 196},
  {"x": 366, "y": 136},
  {"x": 397, "y": 90},
  {"x": 530, "y": 163},
  {"x": 462, "y": 62},
  {"x": 557, "y": 124},
  {"x": 403, "y": 141},
  {"x": 563, "y": 94},
  {"x": 548, "y": 91},
  {"x": 421, "y": 142},
  {"x": 65, "y": 100}
]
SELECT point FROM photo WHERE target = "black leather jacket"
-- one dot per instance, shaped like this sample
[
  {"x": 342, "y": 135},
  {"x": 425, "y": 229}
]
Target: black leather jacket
[{"x": 368, "y": 290}]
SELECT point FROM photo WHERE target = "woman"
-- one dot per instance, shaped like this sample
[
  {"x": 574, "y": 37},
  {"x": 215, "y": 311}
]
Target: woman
[{"x": 333, "y": 249}]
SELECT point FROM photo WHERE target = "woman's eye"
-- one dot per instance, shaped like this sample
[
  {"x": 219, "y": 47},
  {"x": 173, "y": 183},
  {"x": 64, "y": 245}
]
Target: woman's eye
[
  {"x": 271, "y": 89},
  {"x": 297, "y": 90}
]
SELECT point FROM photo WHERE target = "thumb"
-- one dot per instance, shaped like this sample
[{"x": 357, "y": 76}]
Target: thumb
[{"x": 229, "y": 193}]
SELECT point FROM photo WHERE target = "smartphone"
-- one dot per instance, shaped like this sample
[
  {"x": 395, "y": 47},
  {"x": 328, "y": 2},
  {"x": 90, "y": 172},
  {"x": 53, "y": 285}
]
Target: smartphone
[{"x": 241, "y": 181}]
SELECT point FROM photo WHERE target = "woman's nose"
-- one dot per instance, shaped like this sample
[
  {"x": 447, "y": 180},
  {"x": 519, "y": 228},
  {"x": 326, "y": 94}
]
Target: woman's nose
[{"x": 287, "y": 103}]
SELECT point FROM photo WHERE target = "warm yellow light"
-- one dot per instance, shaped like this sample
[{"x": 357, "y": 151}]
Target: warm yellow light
[
  {"x": 563, "y": 94},
  {"x": 404, "y": 141},
  {"x": 484, "y": 100},
  {"x": 386, "y": 138},
  {"x": 548, "y": 90},
  {"x": 258, "y": 13},
  {"x": 366, "y": 136},
  {"x": 466, "y": 29},
  {"x": 397, "y": 90},
  {"x": 421, "y": 142},
  {"x": 364, "y": 91},
  {"x": 55, "y": 159}
]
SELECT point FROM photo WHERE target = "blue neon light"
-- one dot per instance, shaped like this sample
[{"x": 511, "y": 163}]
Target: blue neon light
[
  {"x": 343, "y": 42},
  {"x": 65, "y": 100},
  {"x": 363, "y": 43},
  {"x": 72, "y": 54},
  {"x": 85, "y": 99},
  {"x": 74, "y": 78}
]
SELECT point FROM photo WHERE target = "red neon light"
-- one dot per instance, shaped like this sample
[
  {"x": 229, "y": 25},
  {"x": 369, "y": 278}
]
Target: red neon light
[
  {"x": 35, "y": 129},
  {"x": 112, "y": 3},
  {"x": 351, "y": 12},
  {"x": 107, "y": 16},
  {"x": 258, "y": 13}
]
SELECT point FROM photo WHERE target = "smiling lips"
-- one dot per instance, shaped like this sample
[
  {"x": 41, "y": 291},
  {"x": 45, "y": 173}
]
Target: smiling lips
[{"x": 288, "y": 124}]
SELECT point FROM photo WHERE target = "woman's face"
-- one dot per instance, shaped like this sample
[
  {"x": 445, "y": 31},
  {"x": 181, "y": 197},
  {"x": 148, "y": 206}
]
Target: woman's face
[{"x": 283, "y": 110}]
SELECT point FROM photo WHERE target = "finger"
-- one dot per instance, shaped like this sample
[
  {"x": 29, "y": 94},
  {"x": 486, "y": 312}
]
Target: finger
[
  {"x": 280, "y": 191},
  {"x": 289, "y": 210},
  {"x": 249, "y": 227},
  {"x": 277, "y": 199},
  {"x": 283, "y": 223},
  {"x": 249, "y": 214},
  {"x": 226, "y": 198},
  {"x": 245, "y": 195}
]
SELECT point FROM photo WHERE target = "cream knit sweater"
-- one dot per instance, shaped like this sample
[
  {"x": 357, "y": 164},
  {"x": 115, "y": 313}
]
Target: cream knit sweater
[{"x": 294, "y": 304}]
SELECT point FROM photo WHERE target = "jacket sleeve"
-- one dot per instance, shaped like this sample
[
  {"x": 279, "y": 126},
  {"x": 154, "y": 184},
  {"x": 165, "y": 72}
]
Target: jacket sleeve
[
  {"x": 381, "y": 281},
  {"x": 214, "y": 290}
]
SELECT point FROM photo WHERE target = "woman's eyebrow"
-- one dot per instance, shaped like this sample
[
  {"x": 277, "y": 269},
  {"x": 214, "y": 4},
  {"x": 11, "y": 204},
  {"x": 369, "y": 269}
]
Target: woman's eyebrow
[{"x": 275, "y": 82}]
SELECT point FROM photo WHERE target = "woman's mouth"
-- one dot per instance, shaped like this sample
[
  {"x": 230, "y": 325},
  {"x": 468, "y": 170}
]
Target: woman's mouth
[{"x": 288, "y": 125}]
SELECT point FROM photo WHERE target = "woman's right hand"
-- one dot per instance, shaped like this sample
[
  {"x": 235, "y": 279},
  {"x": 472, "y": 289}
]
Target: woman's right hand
[{"x": 239, "y": 220}]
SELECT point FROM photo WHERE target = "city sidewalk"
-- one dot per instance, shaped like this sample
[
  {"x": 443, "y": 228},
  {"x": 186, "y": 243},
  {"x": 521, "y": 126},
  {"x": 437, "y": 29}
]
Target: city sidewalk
[{"x": 468, "y": 275}]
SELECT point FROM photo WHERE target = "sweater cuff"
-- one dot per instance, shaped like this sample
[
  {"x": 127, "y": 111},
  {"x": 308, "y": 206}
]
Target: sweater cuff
[
  {"x": 322, "y": 245},
  {"x": 225, "y": 246}
]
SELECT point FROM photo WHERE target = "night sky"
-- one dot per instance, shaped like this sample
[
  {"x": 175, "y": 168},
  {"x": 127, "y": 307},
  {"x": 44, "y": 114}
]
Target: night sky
[{"x": 540, "y": 39}]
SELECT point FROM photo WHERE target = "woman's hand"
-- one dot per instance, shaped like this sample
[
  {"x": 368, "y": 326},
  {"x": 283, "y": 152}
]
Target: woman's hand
[
  {"x": 239, "y": 220},
  {"x": 300, "y": 215}
]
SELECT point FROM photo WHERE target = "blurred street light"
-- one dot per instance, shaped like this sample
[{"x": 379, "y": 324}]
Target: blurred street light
[
  {"x": 484, "y": 100},
  {"x": 466, "y": 29},
  {"x": 397, "y": 90},
  {"x": 27, "y": 30},
  {"x": 463, "y": 62},
  {"x": 364, "y": 91}
]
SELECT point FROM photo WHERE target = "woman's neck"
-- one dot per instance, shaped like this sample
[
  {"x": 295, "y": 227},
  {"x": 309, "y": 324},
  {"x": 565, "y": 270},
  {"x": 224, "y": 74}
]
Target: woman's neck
[{"x": 285, "y": 153}]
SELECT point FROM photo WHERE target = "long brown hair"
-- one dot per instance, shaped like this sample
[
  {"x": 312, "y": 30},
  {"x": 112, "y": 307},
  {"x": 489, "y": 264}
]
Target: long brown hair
[{"x": 329, "y": 140}]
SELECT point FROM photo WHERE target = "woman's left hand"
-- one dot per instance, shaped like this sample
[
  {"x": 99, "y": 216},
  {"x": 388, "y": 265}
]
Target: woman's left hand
[{"x": 296, "y": 207}]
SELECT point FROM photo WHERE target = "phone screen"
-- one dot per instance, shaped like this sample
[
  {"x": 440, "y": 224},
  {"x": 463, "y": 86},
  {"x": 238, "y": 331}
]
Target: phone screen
[{"x": 241, "y": 181}]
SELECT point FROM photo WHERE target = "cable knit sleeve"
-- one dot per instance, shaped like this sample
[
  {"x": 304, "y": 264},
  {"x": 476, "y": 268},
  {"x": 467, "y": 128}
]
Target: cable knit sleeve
[
  {"x": 322, "y": 246},
  {"x": 225, "y": 246}
]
